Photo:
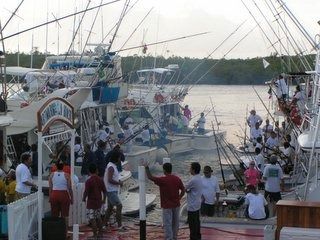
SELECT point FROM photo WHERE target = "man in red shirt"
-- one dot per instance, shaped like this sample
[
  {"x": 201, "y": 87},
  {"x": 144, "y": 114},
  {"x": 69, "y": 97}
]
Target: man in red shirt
[
  {"x": 95, "y": 192},
  {"x": 171, "y": 191}
]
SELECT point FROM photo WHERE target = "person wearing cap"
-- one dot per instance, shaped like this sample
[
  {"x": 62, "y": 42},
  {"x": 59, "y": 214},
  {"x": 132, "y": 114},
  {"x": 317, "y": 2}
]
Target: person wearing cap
[
  {"x": 145, "y": 135},
  {"x": 210, "y": 192},
  {"x": 200, "y": 123},
  {"x": 273, "y": 177},
  {"x": 171, "y": 192},
  {"x": 252, "y": 174},
  {"x": 253, "y": 119}
]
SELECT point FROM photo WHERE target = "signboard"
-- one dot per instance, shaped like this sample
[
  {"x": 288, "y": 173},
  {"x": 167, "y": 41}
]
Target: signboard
[{"x": 55, "y": 110}]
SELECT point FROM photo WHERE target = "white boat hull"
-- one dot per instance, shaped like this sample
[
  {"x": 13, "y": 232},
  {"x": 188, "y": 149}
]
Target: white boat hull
[{"x": 306, "y": 142}]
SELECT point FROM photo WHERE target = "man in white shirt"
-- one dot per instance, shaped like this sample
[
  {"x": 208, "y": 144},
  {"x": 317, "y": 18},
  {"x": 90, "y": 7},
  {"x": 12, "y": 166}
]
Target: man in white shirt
[
  {"x": 129, "y": 121},
  {"x": 194, "y": 191},
  {"x": 128, "y": 133},
  {"x": 253, "y": 119},
  {"x": 255, "y": 133},
  {"x": 282, "y": 88},
  {"x": 145, "y": 135},
  {"x": 23, "y": 177},
  {"x": 273, "y": 177},
  {"x": 256, "y": 202},
  {"x": 201, "y": 123},
  {"x": 102, "y": 135},
  {"x": 267, "y": 129},
  {"x": 210, "y": 192},
  {"x": 272, "y": 142}
]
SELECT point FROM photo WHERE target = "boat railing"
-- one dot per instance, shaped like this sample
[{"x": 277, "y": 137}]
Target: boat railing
[{"x": 23, "y": 218}]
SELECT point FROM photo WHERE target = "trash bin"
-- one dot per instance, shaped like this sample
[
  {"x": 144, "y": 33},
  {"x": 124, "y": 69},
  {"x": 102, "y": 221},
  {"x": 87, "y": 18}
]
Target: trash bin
[
  {"x": 54, "y": 228},
  {"x": 3, "y": 220}
]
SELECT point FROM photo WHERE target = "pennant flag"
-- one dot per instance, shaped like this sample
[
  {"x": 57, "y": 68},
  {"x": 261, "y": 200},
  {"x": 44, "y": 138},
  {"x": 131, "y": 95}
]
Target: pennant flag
[{"x": 265, "y": 63}]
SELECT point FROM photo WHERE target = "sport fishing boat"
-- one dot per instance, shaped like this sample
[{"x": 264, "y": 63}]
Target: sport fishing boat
[{"x": 153, "y": 102}]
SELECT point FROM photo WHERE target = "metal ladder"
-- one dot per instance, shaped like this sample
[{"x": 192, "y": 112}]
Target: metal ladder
[{"x": 11, "y": 151}]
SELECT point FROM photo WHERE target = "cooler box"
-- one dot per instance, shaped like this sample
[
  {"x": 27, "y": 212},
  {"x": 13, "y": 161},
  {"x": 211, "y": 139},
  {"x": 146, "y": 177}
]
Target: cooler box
[
  {"x": 109, "y": 94},
  {"x": 96, "y": 93}
]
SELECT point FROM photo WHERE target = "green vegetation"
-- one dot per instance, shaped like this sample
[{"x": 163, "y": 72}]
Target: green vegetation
[{"x": 211, "y": 71}]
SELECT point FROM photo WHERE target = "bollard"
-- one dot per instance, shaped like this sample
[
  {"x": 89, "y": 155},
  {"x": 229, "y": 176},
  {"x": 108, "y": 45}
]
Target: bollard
[
  {"x": 142, "y": 202},
  {"x": 75, "y": 234}
]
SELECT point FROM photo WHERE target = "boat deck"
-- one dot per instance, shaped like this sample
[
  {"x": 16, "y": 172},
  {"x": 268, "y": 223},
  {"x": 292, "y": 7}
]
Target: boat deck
[{"x": 156, "y": 232}]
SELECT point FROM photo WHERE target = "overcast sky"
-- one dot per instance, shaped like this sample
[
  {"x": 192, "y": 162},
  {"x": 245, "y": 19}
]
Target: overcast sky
[{"x": 168, "y": 19}]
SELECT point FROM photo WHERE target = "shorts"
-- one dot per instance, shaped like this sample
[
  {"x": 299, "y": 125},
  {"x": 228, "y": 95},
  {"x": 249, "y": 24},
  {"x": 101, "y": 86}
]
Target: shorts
[
  {"x": 113, "y": 199},
  {"x": 207, "y": 209},
  {"x": 94, "y": 213},
  {"x": 273, "y": 196}
]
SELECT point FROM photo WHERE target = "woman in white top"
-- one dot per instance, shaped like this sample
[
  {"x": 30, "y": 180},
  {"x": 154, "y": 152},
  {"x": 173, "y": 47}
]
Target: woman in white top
[
  {"x": 257, "y": 204},
  {"x": 60, "y": 192}
]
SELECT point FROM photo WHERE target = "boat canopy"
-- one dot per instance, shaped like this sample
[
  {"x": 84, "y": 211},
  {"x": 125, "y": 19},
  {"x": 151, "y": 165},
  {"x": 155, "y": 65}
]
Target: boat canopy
[
  {"x": 155, "y": 70},
  {"x": 19, "y": 71}
]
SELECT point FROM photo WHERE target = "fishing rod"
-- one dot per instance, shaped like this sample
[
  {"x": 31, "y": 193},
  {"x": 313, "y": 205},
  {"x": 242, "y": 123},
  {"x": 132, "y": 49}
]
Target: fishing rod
[
  {"x": 214, "y": 50},
  {"x": 265, "y": 18},
  {"x": 298, "y": 24},
  {"x": 245, "y": 128},
  {"x": 160, "y": 42},
  {"x": 144, "y": 18},
  {"x": 230, "y": 163},
  {"x": 76, "y": 32},
  {"x": 264, "y": 105},
  {"x": 90, "y": 31},
  {"x": 12, "y": 15},
  {"x": 57, "y": 19},
  {"x": 219, "y": 157},
  {"x": 264, "y": 33},
  {"x": 214, "y": 65},
  {"x": 125, "y": 7},
  {"x": 277, "y": 15}
]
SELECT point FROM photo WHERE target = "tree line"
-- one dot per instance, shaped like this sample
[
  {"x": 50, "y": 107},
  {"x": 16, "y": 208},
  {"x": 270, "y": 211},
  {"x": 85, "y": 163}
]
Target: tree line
[{"x": 194, "y": 70}]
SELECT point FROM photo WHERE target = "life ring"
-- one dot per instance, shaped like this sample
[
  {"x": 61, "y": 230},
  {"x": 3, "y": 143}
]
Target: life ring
[
  {"x": 158, "y": 98},
  {"x": 295, "y": 116}
]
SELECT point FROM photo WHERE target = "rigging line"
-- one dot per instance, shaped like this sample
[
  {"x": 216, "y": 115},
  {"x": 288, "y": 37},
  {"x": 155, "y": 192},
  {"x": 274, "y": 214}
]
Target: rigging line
[
  {"x": 274, "y": 32},
  {"x": 136, "y": 28},
  {"x": 123, "y": 13},
  {"x": 115, "y": 25},
  {"x": 76, "y": 32},
  {"x": 277, "y": 15},
  {"x": 214, "y": 50},
  {"x": 298, "y": 24},
  {"x": 266, "y": 36},
  {"x": 12, "y": 15},
  {"x": 89, "y": 34},
  {"x": 55, "y": 20},
  {"x": 285, "y": 33},
  {"x": 222, "y": 57},
  {"x": 164, "y": 41}
]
